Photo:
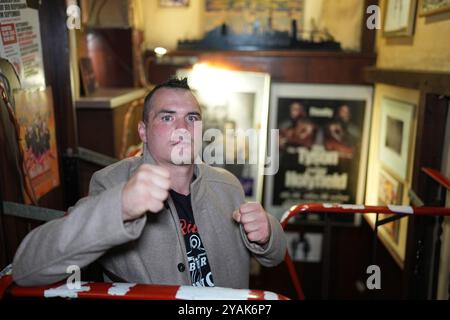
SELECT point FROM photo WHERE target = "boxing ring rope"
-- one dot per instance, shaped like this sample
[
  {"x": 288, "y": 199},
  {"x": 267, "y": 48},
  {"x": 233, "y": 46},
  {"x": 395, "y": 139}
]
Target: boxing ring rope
[
  {"x": 130, "y": 291},
  {"x": 398, "y": 211}
]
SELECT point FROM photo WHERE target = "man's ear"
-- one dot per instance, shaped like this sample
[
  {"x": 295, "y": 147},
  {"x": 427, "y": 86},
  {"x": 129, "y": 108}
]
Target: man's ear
[{"x": 142, "y": 129}]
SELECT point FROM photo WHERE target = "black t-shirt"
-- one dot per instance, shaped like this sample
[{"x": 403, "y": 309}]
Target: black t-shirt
[{"x": 198, "y": 261}]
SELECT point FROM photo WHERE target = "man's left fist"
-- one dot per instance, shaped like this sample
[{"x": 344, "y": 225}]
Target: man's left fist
[{"x": 255, "y": 221}]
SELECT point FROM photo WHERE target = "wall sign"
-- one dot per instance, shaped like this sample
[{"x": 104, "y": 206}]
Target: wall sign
[{"x": 21, "y": 42}]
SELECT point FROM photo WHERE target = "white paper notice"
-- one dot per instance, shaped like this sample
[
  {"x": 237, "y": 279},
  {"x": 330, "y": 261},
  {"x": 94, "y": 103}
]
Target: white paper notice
[{"x": 20, "y": 37}]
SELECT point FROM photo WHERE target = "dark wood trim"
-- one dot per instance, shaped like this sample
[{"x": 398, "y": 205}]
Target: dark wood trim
[
  {"x": 283, "y": 66},
  {"x": 367, "y": 35},
  {"x": 56, "y": 56},
  {"x": 427, "y": 81},
  {"x": 4, "y": 256},
  {"x": 431, "y": 126},
  {"x": 55, "y": 49},
  {"x": 271, "y": 53}
]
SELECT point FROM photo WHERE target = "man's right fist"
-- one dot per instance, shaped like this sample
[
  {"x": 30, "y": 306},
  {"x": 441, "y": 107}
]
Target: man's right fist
[{"x": 146, "y": 191}]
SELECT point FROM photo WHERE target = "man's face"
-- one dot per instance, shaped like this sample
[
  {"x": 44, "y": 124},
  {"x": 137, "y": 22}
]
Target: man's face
[
  {"x": 344, "y": 113},
  {"x": 169, "y": 132},
  {"x": 297, "y": 111}
]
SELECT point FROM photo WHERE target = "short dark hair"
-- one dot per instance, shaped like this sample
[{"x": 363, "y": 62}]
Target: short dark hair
[{"x": 172, "y": 83}]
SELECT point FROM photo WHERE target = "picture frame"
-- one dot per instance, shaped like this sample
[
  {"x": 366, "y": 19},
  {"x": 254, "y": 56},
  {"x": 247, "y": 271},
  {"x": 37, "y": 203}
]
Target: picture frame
[
  {"x": 433, "y": 7},
  {"x": 399, "y": 18},
  {"x": 389, "y": 189},
  {"x": 323, "y": 147},
  {"x": 393, "y": 234},
  {"x": 36, "y": 118},
  {"x": 88, "y": 78},
  {"x": 395, "y": 135},
  {"x": 233, "y": 101},
  {"x": 174, "y": 3}
]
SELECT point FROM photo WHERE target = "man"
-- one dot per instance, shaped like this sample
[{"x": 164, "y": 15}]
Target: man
[
  {"x": 298, "y": 130},
  {"x": 341, "y": 134},
  {"x": 153, "y": 220}
]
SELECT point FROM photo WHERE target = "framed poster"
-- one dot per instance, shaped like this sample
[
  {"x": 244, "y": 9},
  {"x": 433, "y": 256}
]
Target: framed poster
[
  {"x": 399, "y": 18},
  {"x": 395, "y": 135},
  {"x": 432, "y": 7},
  {"x": 392, "y": 234},
  {"x": 174, "y": 3},
  {"x": 34, "y": 111},
  {"x": 234, "y": 119},
  {"x": 323, "y": 139}
]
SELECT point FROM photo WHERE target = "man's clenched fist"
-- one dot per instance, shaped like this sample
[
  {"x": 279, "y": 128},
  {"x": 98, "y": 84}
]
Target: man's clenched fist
[
  {"x": 255, "y": 221},
  {"x": 146, "y": 191}
]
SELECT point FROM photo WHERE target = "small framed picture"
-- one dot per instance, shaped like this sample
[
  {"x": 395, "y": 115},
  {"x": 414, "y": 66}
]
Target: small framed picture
[
  {"x": 432, "y": 7},
  {"x": 399, "y": 17},
  {"x": 396, "y": 125},
  {"x": 174, "y": 3},
  {"x": 389, "y": 189},
  {"x": 393, "y": 234}
]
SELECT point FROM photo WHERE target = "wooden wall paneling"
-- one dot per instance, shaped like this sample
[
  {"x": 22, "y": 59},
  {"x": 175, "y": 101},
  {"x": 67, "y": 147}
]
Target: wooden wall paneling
[
  {"x": 138, "y": 63},
  {"x": 55, "y": 50},
  {"x": 367, "y": 35},
  {"x": 102, "y": 129},
  {"x": 422, "y": 253},
  {"x": 111, "y": 52},
  {"x": 426, "y": 81},
  {"x": 55, "y": 47},
  {"x": 96, "y": 130},
  {"x": 283, "y": 66},
  {"x": 4, "y": 258},
  {"x": 12, "y": 229},
  {"x": 297, "y": 66},
  {"x": 352, "y": 252}
]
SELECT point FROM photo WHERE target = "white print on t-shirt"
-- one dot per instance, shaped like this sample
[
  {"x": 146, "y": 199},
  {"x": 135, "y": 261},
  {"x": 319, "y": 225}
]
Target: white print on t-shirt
[{"x": 197, "y": 260}]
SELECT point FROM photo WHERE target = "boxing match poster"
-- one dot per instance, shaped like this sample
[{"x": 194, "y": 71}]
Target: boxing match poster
[
  {"x": 34, "y": 112},
  {"x": 323, "y": 141}
]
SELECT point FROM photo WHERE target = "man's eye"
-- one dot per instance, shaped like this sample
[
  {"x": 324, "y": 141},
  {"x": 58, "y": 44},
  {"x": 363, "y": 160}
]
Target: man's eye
[
  {"x": 167, "y": 118},
  {"x": 193, "y": 118}
]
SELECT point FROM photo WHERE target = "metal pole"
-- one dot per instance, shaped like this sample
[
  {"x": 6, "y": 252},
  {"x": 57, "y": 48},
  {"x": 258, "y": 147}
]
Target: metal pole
[{"x": 326, "y": 259}]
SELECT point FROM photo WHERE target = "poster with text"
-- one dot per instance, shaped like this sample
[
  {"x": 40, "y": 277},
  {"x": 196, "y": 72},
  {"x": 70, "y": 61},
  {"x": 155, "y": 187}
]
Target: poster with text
[
  {"x": 34, "y": 112},
  {"x": 20, "y": 38},
  {"x": 323, "y": 133}
]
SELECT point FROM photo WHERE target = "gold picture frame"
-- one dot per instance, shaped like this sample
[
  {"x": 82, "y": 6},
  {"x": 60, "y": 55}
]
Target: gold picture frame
[
  {"x": 393, "y": 234},
  {"x": 174, "y": 3},
  {"x": 432, "y": 7},
  {"x": 395, "y": 131},
  {"x": 399, "y": 18}
]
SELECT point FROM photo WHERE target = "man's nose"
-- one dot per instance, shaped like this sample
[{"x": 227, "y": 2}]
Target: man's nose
[{"x": 181, "y": 124}]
